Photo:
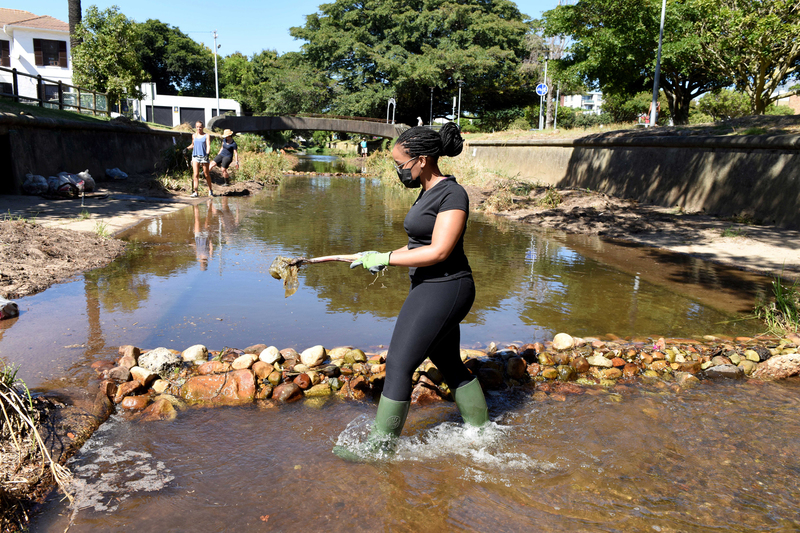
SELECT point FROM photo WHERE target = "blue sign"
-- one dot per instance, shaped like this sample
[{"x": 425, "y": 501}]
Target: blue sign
[{"x": 541, "y": 89}]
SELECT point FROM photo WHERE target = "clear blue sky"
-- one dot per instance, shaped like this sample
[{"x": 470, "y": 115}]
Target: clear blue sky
[{"x": 245, "y": 26}]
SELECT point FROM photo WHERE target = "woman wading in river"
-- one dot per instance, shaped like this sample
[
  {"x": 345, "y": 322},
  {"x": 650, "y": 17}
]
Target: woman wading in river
[{"x": 442, "y": 288}]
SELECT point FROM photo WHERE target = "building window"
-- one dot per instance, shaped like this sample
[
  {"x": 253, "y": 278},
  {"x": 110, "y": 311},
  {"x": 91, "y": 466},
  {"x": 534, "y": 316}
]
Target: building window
[
  {"x": 51, "y": 93},
  {"x": 5, "y": 54},
  {"x": 6, "y": 89},
  {"x": 49, "y": 53}
]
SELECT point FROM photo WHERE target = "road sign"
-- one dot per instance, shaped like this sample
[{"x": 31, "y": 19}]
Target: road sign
[{"x": 541, "y": 89}]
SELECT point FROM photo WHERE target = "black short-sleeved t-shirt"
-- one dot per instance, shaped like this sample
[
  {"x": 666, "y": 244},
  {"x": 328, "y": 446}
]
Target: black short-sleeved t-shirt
[
  {"x": 228, "y": 148},
  {"x": 419, "y": 222}
]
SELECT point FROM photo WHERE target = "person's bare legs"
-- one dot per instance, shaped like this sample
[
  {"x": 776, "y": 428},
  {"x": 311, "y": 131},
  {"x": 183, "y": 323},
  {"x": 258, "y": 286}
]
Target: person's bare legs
[
  {"x": 195, "y": 176},
  {"x": 208, "y": 179}
]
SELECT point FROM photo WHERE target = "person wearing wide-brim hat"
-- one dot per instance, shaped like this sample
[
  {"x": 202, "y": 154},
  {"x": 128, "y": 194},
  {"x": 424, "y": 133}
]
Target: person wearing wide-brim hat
[{"x": 229, "y": 152}]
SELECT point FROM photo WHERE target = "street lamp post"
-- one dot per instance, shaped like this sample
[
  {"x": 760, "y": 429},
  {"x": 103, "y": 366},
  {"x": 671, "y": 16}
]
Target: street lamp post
[
  {"x": 654, "y": 103},
  {"x": 541, "y": 96},
  {"x": 431, "y": 121},
  {"x": 460, "y": 83},
  {"x": 216, "y": 74}
]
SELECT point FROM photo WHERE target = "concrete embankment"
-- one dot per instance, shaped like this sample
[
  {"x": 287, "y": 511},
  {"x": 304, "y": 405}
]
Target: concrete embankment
[
  {"x": 754, "y": 175},
  {"x": 48, "y": 146}
]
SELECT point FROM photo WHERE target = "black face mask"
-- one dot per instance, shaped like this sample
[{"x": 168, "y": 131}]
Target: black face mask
[{"x": 405, "y": 177}]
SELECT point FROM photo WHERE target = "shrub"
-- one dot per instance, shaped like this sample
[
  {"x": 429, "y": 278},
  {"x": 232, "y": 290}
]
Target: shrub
[
  {"x": 779, "y": 110},
  {"x": 724, "y": 104}
]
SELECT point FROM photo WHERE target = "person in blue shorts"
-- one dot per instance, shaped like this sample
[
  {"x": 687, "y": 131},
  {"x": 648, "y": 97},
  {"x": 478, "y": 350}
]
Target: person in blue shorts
[
  {"x": 442, "y": 289},
  {"x": 201, "y": 146},
  {"x": 228, "y": 152}
]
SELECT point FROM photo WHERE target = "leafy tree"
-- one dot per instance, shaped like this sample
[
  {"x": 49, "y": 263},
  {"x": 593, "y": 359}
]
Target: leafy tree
[
  {"x": 373, "y": 50},
  {"x": 724, "y": 104},
  {"x": 616, "y": 42},
  {"x": 106, "y": 59},
  {"x": 754, "y": 42},
  {"x": 175, "y": 62},
  {"x": 622, "y": 108}
]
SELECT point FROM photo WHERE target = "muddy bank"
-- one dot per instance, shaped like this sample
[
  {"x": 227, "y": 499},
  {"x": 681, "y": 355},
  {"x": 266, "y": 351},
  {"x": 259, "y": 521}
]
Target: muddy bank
[{"x": 735, "y": 242}]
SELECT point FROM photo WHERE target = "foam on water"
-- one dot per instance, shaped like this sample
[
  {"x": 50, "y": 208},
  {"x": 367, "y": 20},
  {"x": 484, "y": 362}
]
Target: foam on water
[{"x": 123, "y": 472}]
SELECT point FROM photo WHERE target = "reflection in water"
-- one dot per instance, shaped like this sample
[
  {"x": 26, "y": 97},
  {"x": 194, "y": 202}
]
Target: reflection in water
[
  {"x": 531, "y": 284},
  {"x": 326, "y": 164}
]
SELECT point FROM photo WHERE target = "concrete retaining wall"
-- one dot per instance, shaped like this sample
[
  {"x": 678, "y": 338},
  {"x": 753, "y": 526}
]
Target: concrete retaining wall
[
  {"x": 723, "y": 176},
  {"x": 47, "y": 147}
]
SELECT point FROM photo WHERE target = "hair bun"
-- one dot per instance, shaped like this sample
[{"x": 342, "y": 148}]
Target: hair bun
[{"x": 452, "y": 142}]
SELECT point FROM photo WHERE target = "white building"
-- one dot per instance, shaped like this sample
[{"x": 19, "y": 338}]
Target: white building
[
  {"x": 176, "y": 110},
  {"x": 36, "y": 45},
  {"x": 590, "y": 102}
]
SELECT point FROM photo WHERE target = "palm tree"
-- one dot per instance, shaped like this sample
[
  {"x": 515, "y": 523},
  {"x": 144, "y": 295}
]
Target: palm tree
[{"x": 74, "y": 20}]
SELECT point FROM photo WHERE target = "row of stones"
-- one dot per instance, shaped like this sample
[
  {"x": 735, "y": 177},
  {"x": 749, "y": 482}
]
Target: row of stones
[{"x": 158, "y": 382}]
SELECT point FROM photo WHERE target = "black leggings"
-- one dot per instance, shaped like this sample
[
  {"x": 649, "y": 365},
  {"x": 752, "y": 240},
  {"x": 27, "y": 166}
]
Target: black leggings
[{"x": 428, "y": 326}]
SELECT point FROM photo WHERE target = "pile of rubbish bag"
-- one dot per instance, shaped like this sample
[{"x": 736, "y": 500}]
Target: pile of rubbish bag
[{"x": 65, "y": 184}]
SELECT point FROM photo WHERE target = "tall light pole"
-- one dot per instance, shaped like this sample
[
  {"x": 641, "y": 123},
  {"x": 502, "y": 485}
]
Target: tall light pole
[
  {"x": 654, "y": 103},
  {"x": 541, "y": 96},
  {"x": 460, "y": 83},
  {"x": 216, "y": 73},
  {"x": 431, "y": 121}
]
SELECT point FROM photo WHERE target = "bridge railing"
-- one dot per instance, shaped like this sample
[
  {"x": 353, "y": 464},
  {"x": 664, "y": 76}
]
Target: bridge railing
[{"x": 340, "y": 117}]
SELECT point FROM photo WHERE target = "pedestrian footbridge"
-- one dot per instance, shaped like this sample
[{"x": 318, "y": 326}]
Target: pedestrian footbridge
[{"x": 363, "y": 126}]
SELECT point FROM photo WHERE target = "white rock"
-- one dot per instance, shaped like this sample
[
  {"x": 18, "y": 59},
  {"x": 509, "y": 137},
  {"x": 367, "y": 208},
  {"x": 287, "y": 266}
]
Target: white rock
[
  {"x": 563, "y": 341},
  {"x": 160, "y": 385},
  {"x": 313, "y": 356},
  {"x": 195, "y": 353},
  {"x": 599, "y": 360},
  {"x": 244, "y": 361},
  {"x": 161, "y": 361},
  {"x": 271, "y": 355}
]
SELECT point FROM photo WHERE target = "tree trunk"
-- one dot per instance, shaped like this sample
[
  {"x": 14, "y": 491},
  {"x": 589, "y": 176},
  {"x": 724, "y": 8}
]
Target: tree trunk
[
  {"x": 548, "y": 113},
  {"x": 74, "y": 20}
]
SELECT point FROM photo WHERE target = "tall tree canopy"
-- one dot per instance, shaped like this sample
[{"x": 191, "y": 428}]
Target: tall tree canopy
[
  {"x": 174, "y": 61},
  {"x": 615, "y": 47},
  {"x": 373, "y": 50},
  {"x": 756, "y": 43},
  {"x": 106, "y": 59}
]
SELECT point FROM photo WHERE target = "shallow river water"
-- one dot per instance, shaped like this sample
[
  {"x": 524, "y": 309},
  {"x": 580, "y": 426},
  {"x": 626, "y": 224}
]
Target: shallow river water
[{"x": 719, "y": 457}]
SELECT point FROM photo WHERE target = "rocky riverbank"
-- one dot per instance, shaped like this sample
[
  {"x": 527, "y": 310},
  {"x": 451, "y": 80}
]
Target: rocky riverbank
[{"x": 158, "y": 384}]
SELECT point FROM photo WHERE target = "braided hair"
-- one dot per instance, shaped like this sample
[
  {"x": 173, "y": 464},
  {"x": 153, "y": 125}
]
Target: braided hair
[{"x": 420, "y": 140}]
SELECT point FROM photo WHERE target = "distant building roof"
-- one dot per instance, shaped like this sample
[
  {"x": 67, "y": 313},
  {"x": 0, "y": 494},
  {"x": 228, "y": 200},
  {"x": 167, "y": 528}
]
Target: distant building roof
[{"x": 26, "y": 19}]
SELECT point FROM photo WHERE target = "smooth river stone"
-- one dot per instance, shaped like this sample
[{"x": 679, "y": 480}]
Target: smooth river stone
[
  {"x": 580, "y": 364},
  {"x": 135, "y": 402},
  {"x": 599, "y": 360},
  {"x": 159, "y": 410},
  {"x": 244, "y": 362},
  {"x": 234, "y": 387},
  {"x": 143, "y": 376},
  {"x": 195, "y": 353},
  {"x": 126, "y": 389},
  {"x": 516, "y": 368},
  {"x": 563, "y": 341},
  {"x": 725, "y": 371},
  {"x": 313, "y": 356},
  {"x": 287, "y": 392},
  {"x": 270, "y": 355}
]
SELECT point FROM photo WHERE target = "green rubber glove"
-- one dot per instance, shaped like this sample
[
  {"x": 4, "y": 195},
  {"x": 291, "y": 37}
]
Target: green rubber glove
[{"x": 373, "y": 261}]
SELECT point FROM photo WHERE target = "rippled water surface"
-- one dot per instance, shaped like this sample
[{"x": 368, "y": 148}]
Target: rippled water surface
[{"x": 719, "y": 457}]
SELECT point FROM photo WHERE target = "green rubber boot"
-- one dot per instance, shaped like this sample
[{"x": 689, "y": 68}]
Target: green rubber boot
[
  {"x": 389, "y": 422},
  {"x": 472, "y": 404}
]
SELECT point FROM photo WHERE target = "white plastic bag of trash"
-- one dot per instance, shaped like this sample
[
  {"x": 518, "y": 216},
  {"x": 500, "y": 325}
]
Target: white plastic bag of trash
[
  {"x": 88, "y": 180},
  {"x": 8, "y": 308},
  {"x": 73, "y": 179},
  {"x": 34, "y": 184},
  {"x": 115, "y": 174}
]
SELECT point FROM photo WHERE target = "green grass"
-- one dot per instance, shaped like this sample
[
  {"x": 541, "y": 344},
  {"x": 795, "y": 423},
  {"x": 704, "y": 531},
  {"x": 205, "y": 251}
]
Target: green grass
[
  {"x": 551, "y": 198},
  {"x": 734, "y": 232},
  {"x": 754, "y": 131},
  {"x": 84, "y": 214},
  {"x": 9, "y": 217},
  {"x": 783, "y": 313},
  {"x": 7, "y": 106},
  {"x": 101, "y": 229}
]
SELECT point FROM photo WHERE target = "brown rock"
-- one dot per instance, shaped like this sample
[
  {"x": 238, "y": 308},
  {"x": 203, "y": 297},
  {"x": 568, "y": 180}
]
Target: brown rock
[
  {"x": 534, "y": 369},
  {"x": 275, "y": 378},
  {"x": 693, "y": 367},
  {"x": 612, "y": 373},
  {"x": 580, "y": 364},
  {"x": 290, "y": 353},
  {"x": 118, "y": 373},
  {"x": 132, "y": 351},
  {"x": 135, "y": 402},
  {"x": 102, "y": 366},
  {"x": 516, "y": 368},
  {"x": 126, "y": 389},
  {"x": 287, "y": 392},
  {"x": 550, "y": 373},
  {"x": 618, "y": 362},
  {"x": 570, "y": 388},
  {"x": 647, "y": 358},
  {"x": 213, "y": 367},
  {"x": 261, "y": 370},
  {"x": 256, "y": 349},
  {"x": 160, "y": 385},
  {"x": 359, "y": 383},
  {"x": 264, "y": 392},
  {"x": 302, "y": 381},
  {"x": 630, "y": 370},
  {"x": 561, "y": 358},
  {"x": 237, "y": 386},
  {"x": 143, "y": 376},
  {"x": 424, "y": 394},
  {"x": 490, "y": 378},
  {"x": 546, "y": 359},
  {"x": 659, "y": 366},
  {"x": 109, "y": 388},
  {"x": 128, "y": 361},
  {"x": 159, "y": 410},
  {"x": 528, "y": 352},
  {"x": 778, "y": 367}
]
